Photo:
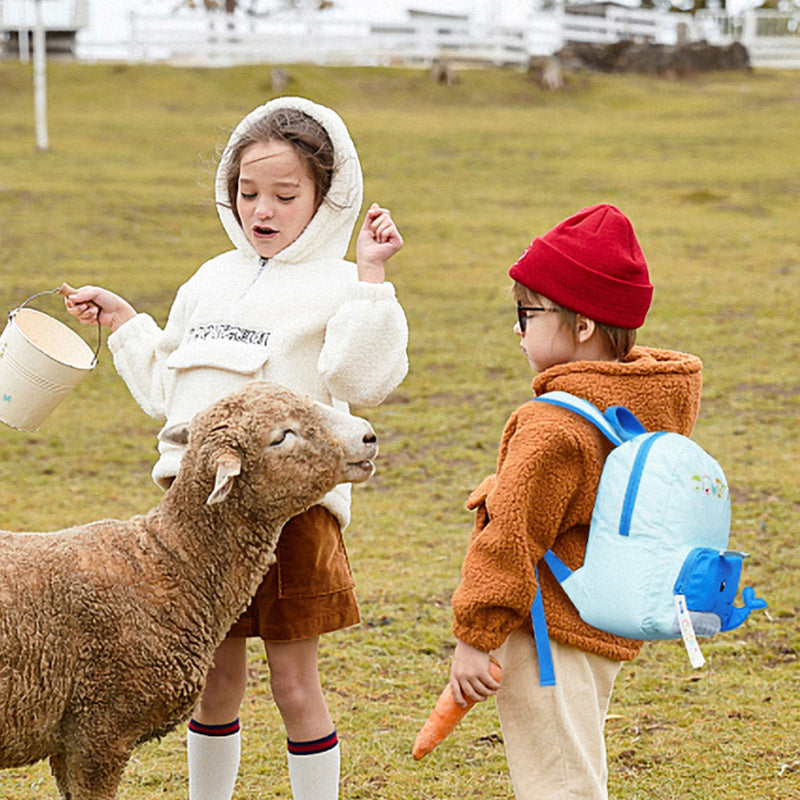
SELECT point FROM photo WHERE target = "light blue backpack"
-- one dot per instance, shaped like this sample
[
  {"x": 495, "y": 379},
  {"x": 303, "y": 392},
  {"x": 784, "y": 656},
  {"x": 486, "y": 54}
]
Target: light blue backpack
[{"x": 657, "y": 564}]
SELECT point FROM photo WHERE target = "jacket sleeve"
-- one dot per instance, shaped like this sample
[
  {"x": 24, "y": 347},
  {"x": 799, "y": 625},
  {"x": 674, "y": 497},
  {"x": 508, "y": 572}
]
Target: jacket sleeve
[
  {"x": 364, "y": 356},
  {"x": 140, "y": 350},
  {"x": 516, "y": 522}
]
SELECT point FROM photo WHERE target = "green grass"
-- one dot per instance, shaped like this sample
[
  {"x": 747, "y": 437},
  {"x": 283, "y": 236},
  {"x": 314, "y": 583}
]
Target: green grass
[{"x": 708, "y": 171}]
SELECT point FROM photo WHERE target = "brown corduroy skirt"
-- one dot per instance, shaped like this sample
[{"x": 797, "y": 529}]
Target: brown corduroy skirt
[{"x": 309, "y": 590}]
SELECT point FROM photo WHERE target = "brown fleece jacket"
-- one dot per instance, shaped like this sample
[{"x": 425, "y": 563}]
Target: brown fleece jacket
[{"x": 543, "y": 492}]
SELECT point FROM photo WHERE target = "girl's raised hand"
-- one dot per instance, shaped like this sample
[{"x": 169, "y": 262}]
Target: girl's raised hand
[
  {"x": 91, "y": 304},
  {"x": 378, "y": 240}
]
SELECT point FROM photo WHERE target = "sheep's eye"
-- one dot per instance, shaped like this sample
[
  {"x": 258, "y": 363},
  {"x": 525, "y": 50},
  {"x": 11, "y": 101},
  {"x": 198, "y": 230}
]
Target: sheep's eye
[{"x": 279, "y": 437}]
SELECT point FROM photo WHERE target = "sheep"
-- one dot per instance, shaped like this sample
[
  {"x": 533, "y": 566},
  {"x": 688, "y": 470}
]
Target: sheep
[{"x": 107, "y": 630}]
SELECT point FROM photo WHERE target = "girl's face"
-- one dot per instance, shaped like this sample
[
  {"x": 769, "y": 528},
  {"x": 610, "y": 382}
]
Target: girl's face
[
  {"x": 546, "y": 339},
  {"x": 276, "y": 197}
]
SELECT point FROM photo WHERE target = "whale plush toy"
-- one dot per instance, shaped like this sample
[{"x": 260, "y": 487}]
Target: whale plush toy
[{"x": 708, "y": 580}]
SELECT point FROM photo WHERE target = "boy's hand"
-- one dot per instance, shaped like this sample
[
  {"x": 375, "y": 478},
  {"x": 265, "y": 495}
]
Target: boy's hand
[
  {"x": 91, "y": 304},
  {"x": 378, "y": 240},
  {"x": 470, "y": 679}
]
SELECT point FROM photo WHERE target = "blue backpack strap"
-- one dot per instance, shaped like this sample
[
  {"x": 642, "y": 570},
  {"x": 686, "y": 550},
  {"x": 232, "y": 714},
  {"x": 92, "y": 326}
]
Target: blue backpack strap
[
  {"x": 557, "y": 566},
  {"x": 547, "y": 675},
  {"x": 617, "y": 423}
]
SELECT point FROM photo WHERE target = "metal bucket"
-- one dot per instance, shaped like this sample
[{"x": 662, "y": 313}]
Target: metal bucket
[{"x": 41, "y": 360}]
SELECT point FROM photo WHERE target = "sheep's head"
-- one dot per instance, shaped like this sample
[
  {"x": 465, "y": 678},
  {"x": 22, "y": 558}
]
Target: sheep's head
[{"x": 270, "y": 446}]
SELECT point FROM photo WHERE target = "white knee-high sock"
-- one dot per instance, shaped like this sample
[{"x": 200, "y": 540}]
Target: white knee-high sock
[
  {"x": 213, "y": 754},
  {"x": 314, "y": 768}
]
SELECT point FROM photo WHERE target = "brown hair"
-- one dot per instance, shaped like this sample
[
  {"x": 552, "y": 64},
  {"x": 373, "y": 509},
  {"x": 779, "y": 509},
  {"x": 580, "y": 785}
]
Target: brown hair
[
  {"x": 620, "y": 340},
  {"x": 309, "y": 139}
]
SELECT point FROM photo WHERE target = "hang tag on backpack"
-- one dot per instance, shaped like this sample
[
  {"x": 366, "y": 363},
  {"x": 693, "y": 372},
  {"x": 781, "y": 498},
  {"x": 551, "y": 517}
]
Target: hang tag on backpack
[{"x": 696, "y": 657}]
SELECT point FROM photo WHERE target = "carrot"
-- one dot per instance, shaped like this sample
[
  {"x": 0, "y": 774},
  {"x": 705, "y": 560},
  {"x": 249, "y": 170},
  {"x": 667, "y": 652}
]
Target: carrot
[{"x": 445, "y": 716}]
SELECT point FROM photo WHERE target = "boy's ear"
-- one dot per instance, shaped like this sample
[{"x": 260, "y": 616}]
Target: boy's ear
[{"x": 584, "y": 328}]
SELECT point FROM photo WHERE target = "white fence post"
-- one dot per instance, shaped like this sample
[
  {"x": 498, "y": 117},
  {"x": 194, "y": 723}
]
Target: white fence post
[
  {"x": 749, "y": 28},
  {"x": 40, "y": 79},
  {"x": 23, "y": 37}
]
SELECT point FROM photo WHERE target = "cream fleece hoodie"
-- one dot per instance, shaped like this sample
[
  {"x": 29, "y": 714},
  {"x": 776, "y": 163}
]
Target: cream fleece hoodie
[{"x": 302, "y": 319}]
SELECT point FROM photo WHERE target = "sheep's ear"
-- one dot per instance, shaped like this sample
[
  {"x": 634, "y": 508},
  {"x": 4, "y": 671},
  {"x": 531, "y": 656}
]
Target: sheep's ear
[
  {"x": 177, "y": 434},
  {"x": 228, "y": 467}
]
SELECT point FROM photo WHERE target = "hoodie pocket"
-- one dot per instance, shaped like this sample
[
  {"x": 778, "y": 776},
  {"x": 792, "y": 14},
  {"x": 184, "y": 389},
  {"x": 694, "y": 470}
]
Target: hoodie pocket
[
  {"x": 477, "y": 502},
  {"x": 229, "y": 355},
  {"x": 204, "y": 372}
]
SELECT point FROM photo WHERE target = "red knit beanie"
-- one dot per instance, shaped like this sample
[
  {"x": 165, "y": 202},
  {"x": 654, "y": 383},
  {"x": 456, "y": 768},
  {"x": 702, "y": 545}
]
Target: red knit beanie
[{"x": 590, "y": 263}]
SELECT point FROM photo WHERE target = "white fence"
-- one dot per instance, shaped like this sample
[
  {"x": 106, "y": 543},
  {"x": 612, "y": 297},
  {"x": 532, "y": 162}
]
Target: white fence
[
  {"x": 62, "y": 15},
  {"x": 622, "y": 24},
  {"x": 772, "y": 38},
  {"x": 217, "y": 39},
  {"x": 61, "y": 20}
]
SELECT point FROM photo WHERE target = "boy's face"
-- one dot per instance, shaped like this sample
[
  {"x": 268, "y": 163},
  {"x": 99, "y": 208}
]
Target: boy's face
[
  {"x": 276, "y": 198},
  {"x": 546, "y": 340}
]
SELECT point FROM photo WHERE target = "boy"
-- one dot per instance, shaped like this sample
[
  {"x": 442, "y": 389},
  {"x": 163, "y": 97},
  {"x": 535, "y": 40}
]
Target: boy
[{"x": 582, "y": 290}]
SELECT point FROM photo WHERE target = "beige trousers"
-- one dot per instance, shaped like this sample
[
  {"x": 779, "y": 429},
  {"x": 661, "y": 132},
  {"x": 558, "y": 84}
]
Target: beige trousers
[{"x": 553, "y": 735}]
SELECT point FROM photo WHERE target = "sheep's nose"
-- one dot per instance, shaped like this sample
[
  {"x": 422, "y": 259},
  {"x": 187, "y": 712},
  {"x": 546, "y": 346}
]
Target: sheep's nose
[
  {"x": 356, "y": 436},
  {"x": 370, "y": 442}
]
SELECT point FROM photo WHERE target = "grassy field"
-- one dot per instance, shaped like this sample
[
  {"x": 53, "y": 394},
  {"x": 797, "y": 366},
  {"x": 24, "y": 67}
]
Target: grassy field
[{"x": 708, "y": 169}]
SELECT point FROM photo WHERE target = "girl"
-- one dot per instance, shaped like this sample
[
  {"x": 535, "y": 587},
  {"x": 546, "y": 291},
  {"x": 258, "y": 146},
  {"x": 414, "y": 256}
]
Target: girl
[
  {"x": 582, "y": 290},
  {"x": 282, "y": 305}
]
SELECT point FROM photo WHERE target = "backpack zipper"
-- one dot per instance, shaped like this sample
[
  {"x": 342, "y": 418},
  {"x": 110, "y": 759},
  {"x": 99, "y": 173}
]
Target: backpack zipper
[{"x": 633, "y": 483}]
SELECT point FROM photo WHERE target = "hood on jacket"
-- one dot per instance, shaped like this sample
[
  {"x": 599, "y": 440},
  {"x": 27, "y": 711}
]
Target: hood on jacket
[
  {"x": 328, "y": 233},
  {"x": 661, "y": 387}
]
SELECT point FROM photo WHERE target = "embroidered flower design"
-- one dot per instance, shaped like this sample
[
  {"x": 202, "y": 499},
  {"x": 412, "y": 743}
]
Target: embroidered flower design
[{"x": 709, "y": 486}]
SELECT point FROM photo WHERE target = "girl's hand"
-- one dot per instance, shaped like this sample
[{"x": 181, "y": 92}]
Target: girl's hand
[
  {"x": 378, "y": 240},
  {"x": 470, "y": 678},
  {"x": 91, "y": 303}
]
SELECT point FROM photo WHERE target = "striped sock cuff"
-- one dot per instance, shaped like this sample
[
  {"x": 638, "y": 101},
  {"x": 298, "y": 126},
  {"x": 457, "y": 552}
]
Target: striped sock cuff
[
  {"x": 314, "y": 746},
  {"x": 228, "y": 729}
]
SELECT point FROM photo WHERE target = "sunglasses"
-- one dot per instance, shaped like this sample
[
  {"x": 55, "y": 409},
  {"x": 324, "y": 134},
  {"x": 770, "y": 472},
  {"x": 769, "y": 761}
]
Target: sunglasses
[{"x": 524, "y": 313}]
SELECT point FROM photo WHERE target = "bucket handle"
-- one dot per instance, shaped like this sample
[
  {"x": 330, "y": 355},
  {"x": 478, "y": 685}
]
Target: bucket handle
[{"x": 57, "y": 290}]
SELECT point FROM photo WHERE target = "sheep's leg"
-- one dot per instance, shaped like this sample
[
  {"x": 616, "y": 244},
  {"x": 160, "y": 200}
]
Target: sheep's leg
[
  {"x": 58, "y": 766},
  {"x": 88, "y": 774}
]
